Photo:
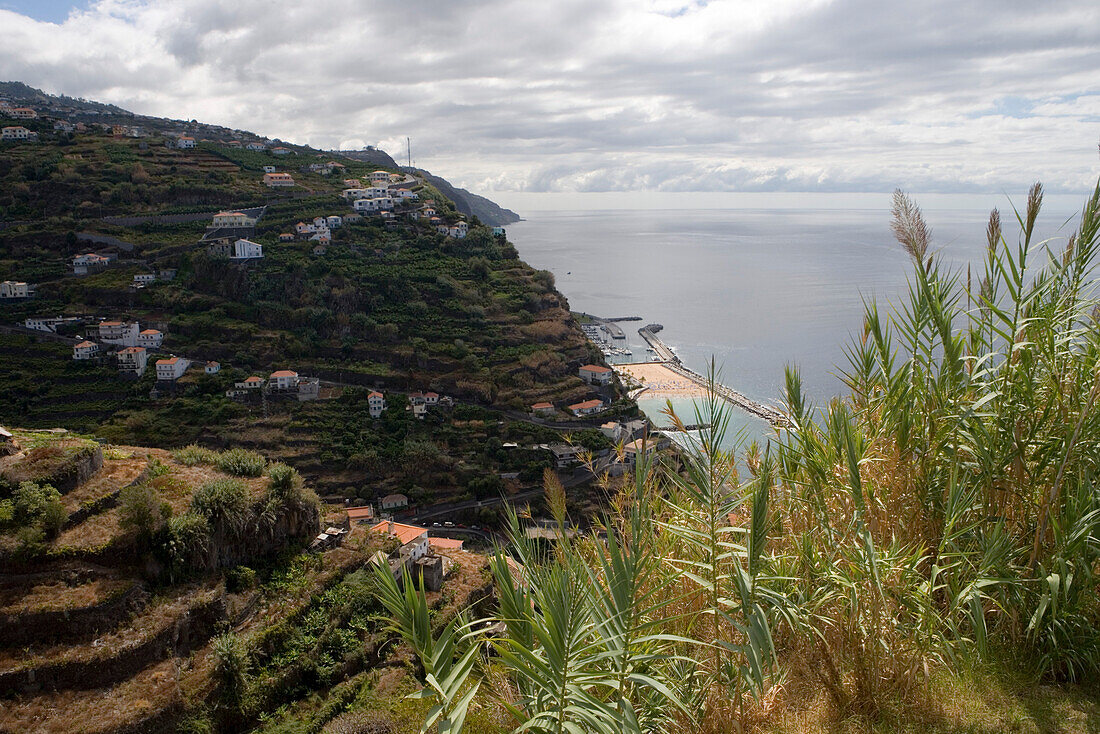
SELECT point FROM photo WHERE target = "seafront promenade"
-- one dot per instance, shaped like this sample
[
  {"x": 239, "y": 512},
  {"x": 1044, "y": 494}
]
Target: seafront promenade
[{"x": 668, "y": 382}]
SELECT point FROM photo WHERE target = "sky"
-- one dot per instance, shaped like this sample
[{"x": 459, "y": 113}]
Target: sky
[{"x": 516, "y": 98}]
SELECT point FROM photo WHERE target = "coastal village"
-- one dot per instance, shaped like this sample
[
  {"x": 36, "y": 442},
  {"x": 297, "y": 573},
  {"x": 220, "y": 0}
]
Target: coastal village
[{"x": 242, "y": 238}]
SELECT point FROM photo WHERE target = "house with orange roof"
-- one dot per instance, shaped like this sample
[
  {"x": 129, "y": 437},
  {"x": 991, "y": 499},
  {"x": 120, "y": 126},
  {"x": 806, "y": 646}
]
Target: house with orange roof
[
  {"x": 185, "y": 142},
  {"x": 150, "y": 339},
  {"x": 86, "y": 350},
  {"x": 212, "y": 368},
  {"x": 172, "y": 368},
  {"x": 232, "y": 219},
  {"x": 542, "y": 408},
  {"x": 413, "y": 539},
  {"x": 588, "y": 407},
  {"x": 395, "y": 501},
  {"x": 361, "y": 514},
  {"x": 22, "y": 113},
  {"x": 595, "y": 374},
  {"x": 132, "y": 361},
  {"x": 284, "y": 380},
  {"x": 276, "y": 180},
  {"x": 376, "y": 404}
]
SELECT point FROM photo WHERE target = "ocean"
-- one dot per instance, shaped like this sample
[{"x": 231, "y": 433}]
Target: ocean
[{"x": 754, "y": 290}]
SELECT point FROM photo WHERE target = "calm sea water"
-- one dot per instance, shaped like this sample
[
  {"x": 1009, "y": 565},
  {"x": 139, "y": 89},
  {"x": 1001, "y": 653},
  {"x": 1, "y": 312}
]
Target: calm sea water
[{"x": 755, "y": 290}]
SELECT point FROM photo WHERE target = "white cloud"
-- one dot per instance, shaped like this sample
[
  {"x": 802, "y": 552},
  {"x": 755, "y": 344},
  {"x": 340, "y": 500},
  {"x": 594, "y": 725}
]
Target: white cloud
[{"x": 670, "y": 95}]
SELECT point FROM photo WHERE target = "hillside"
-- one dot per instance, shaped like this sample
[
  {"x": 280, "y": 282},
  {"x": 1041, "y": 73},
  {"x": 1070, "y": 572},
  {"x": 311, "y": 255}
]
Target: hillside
[
  {"x": 128, "y": 574},
  {"x": 384, "y": 302}
]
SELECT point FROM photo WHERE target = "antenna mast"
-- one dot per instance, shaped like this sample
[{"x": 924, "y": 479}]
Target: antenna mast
[{"x": 408, "y": 143}]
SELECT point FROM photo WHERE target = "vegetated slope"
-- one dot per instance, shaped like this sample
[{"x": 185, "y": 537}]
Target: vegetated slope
[
  {"x": 128, "y": 575},
  {"x": 394, "y": 306}
]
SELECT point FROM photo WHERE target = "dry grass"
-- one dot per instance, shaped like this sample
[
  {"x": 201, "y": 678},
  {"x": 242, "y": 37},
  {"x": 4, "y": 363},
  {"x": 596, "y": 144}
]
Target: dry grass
[
  {"x": 100, "y": 710},
  {"x": 52, "y": 596},
  {"x": 155, "y": 617},
  {"x": 115, "y": 474}
]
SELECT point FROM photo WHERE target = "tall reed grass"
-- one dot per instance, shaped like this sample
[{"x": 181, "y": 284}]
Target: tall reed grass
[{"x": 945, "y": 510}]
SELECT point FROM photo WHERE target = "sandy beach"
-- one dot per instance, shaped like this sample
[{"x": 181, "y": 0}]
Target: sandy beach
[{"x": 661, "y": 381}]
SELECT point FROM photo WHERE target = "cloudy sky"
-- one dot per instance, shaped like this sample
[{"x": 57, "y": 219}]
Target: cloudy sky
[{"x": 611, "y": 95}]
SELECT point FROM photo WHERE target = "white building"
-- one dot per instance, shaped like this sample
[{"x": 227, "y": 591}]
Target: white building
[
  {"x": 380, "y": 177},
  {"x": 17, "y": 133},
  {"x": 284, "y": 380},
  {"x": 48, "y": 324},
  {"x": 145, "y": 278},
  {"x": 458, "y": 231},
  {"x": 281, "y": 151},
  {"x": 407, "y": 195},
  {"x": 275, "y": 180},
  {"x": 132, "y": 361},
  {"x": 394, "y": 502},
  {"x": 334, "y": 222},
  {"x": 22, "y": 113},
  {"x": 588, "y": 407},
  {"x": 119, "y": 332},
  {"x": 247, "y": 250},
  {"x": 89, "y": 262},
  {"x": 184, "y": 142},
  {"x": 256, "y": 146},
  {"x": 376, "y": 204},
  {"x": 171, "y": 369},
  {"x": 414, "y": 539},
  {"x": 595, "y": 374},
  {"x": 86, "y": 350},
  {"x": 150, "y": 339},
  {"x": 232, "y": 219},
  {"x": 212, "y": 368},
  {"x": 376, "y": 404},
  {"x": 15, "y": 289},
  {"x": 269, "y": 169}
]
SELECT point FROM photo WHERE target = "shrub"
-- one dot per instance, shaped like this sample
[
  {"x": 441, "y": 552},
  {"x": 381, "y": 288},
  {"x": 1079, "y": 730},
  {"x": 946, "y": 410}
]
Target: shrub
[
  {"x": 195, "y": 454},
  {"x": 142, "y": 511},
  {"x": 361, "y": 722},
  {"x": 283, "y": 480},
  {"x": 241, "y": 463},
  {"x": 31, "y": 501},
  {"x": 240, "y": 578},
  {"x": 231, "y": 668},
  {"x": 224, "y": 504},
  {"x": 186, "y": 543}
]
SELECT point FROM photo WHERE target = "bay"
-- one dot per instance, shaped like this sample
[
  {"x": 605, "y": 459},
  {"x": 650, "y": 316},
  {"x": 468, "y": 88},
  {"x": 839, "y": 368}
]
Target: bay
[{"x": 755, "y": 290}]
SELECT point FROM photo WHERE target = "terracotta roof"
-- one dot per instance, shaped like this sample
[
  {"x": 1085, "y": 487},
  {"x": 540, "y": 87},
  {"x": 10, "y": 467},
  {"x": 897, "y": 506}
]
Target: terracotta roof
[
  {"x": 150, "y": 331},
  {"x": 360, "y": 513},
  {"x": 586, "y": 404},
  {"x": 445, "y": 543},
  {"x": 284, "y": 373},
  {"x": 171, "y": 360},
  {"x": 540, "y": 406},
  {"x": 110, "y": 323},
  {"x": 404, "y": 533},
  {"x": 132, "y": 350},
  {"x": 375, "y": 393},
  {"x": 594, "y": 368},
  {"x": 396, "y": 497},
  {"x": 254, "y": 379},
  {"x": 85, "y": 344},
  {"x": 212, "y": 364}
]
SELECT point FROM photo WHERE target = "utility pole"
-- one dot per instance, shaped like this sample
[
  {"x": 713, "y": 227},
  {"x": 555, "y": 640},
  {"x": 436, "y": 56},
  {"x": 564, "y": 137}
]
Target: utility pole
[{"x": 408, "y": 145}]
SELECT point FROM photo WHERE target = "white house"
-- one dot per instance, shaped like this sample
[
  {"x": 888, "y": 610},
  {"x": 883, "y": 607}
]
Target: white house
[
  {"x": 252, "y": 383},
  {"x": 275, "y": 180},
  {"x": 15, "y": 289},
  {"x": 86, "y": 350},
  {"x": 542, "y": 408},
  {"x": 302, "y": 228},
  {"x": 498, "y": 231},
  {"x": 150, "y": 339},
  {"x": 588, "y": 407},
  {"x": 376, "y": 403},
  {"x": 284, "y": 380},
  {"x": 48, "y": 324},
  {"x": 636, "y": 450},
  {"x": 594, "y": 374},
  {"x": 171, "y": 369},
  {"x": 407, "y": 195},
  {"x": 232, "y": 219},
  {"x": 89, "y": 262},
  {"x": 334, "y": 221},
  {"x": 17, "y": 133},
  {"x": 380, "y": 177},
  {"x": 185, "y": 142},
  {"x": 145, "y": 278},
  {"x": 458, "y": 231},
  {"x": 247, "y": 250},
  {"x": 281, "y": 151},
  {"x": 394, "y": 502},
  {"x": 256, "y": 146},
  {"x": 212, "y": 368},
  {"x": 119, "y": 332},
  {"x": 414, "y": 539},
  {"x": 354, "y": 193},
  {"x": 132, "y": 361},
  {"x": 22, "y": 113},
  {"x": 269, "y": 169}
]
